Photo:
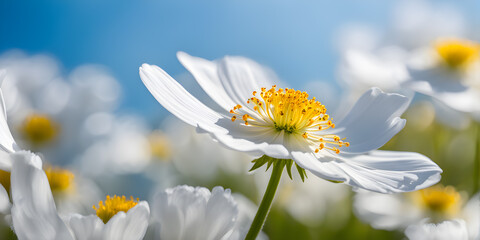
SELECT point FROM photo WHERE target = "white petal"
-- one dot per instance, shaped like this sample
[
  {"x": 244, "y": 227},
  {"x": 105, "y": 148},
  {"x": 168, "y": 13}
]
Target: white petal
[
  {"x": 128, "y": 226},
  {"x": 185, "y": 213},
  {"x": 372, "y": 122},
  {"x": 206, "y": 74},
  {"x": 378, "y": 171},
  {"x": 386, "y": 211},
  {"x": 464, "y": 101},
  {"x": 4, "y": 201},
  {"x": 180, "y": 212},
  {"x": 176, "y": 99},
  {"x": 323, "y": 169},
  {"x": 389, "y": 171},
  {"x": 34, "y": 214},
  {"x": 86, "y": 227},
  {"x": 255, "y": 141},
  {"x": 446, "y": 230},
  {"x": 471, "y": 214},
  {"x": 6, "y": 140},
  {"x": 241, "y": 76},
  {"x": 435, "y": 80},
  {"x": 221, "y": 214}
]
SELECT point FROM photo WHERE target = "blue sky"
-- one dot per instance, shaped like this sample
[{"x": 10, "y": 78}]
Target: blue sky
[{"x": 294, "y": 38}]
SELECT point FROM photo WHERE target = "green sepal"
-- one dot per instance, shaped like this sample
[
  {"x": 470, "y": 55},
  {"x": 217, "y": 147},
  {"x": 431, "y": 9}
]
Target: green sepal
[
  {"x": 302, "y": 172},
  {"x": 333, "y": 181},
  {"x": 259, "y": 162},
  {"x": 289, "y": 168}
]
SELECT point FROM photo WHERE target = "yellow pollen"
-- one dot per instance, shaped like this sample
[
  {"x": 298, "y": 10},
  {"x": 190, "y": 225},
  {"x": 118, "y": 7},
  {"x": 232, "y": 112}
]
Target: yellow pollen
[
  {"x": 60, "y": 180},
  {"x": 160, "y": 146},
  {"x": 439, "y": 200},
  {"x": 112, "y": 205},
  {"x": 457, "y": 53},
  {"x": 39, "y": 129},
  {"x": 292, "y": 112}
]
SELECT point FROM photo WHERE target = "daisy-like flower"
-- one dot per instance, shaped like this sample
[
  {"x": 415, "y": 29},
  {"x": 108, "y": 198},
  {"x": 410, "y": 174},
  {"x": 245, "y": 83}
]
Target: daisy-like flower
[
  {"x": 286, "y": 124},
  {"x": 427, "y": 209},
  {"x": 280, "y": 125},
  {"x": 185, "y": 212},
  {"x": 35, "y": 216},
  {"x": 449, "y": 71},
  {"x": 33, "y": 210}
]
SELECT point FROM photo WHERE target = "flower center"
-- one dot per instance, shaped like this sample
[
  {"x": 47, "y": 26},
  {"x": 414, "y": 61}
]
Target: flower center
[
  {"x": 160, "y": 146},
  {"x": 60, "y": 180},
  {"x": 440, "y": 200},
  {"x": 113, "y": 205},
  {"x": 290, "y": 111},
  {"x": 5, "y": 180},
  {"x": 457, "y": 53},
  {"x": 39, "y": 129}
]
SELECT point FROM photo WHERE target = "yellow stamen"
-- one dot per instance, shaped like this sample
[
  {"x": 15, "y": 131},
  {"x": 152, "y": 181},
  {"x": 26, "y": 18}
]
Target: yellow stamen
[
  {"x": 112, "y": 205},
  {"x": 160, "y": 146},
  {"x": 439, "y": 200},
  {"x": 290, "y": 111},
  {"x": 457, "y": 53},
  {"x": 39, "y": 129},
  {"x": 60, "y": 180}
]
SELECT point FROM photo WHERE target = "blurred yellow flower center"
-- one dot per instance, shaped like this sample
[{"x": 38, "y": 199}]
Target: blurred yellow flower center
[
  {"x": 440, "y": 200},
  {"x": 290, "y": 111},
  {"x": 457, "y": 53},
  {"x": 5, "y": 180},
  {"x": 113, "y": 205},
  {"x": 39, "y": 129},
  {"x": 60, "y": 180},
  {"x": 160, "y": 146}
]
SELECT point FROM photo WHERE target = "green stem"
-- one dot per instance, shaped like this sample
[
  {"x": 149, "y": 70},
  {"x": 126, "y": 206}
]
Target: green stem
[
  {"x": 266, "y": 203},
  {"x": 476, "y": 163}
]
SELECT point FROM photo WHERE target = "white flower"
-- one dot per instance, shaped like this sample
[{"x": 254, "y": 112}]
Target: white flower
[
  {"x": 186, "y": 212},
  {"x": 294, "y": 127},
  {"x": 383, "y": 68},
  {"x": 431, "y": 205},
  {"x": 447, "y": 230},
  {"x": 35, "y": 216},
  {"x": 449, "y": 71},
  {"x": 53, "y": 114}
]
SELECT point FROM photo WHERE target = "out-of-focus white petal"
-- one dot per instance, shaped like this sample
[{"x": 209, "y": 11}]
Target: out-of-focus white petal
[
  {"x": 185, "y": 213},
  {"x": 86, "y": 227},
  {"x": 4, "y": 201},
  {"x": 34, "y": 214},
  {"x": 128, "y": 226},
  {"x": 372, "y": 121},
  {"x": 385, "y": 211},
  {"x": 471, "y": 214},
  {"x": 446, "y": 230},
  {"x": 6, "y": 140},
  {"x": 176, "y": 99},
  {"x": 220, "y": 215},
  {"x": 361, "y": 70},
  {"x": 179, "y": 212}
]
